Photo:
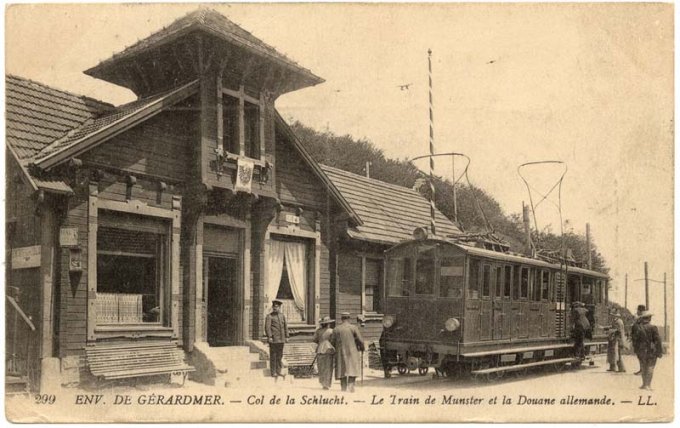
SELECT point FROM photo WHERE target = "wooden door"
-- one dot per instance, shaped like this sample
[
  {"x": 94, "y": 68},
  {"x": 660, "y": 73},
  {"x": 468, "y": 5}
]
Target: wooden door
[
  {"x": 497, "y": 298},
  {"x": 223, "y": 314},
  {"x": 486, "y": 312}
]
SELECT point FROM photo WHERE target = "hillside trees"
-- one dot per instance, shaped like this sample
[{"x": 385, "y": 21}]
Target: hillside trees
[{"x": 474, "y": 204}]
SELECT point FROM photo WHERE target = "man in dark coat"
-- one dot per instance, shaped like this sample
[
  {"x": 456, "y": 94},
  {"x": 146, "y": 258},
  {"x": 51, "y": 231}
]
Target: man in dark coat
[
  {"x": 634, "y": 334},
  {"x": 650, "y": 348},
  {"x": 276, "y": 329},
  {"x": 579, "y": 317},
  {"x": 348, "y": 347}
]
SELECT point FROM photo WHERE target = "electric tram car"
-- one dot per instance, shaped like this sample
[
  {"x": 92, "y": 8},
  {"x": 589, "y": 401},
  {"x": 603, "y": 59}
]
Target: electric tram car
[{"x": 462, "y": 307}]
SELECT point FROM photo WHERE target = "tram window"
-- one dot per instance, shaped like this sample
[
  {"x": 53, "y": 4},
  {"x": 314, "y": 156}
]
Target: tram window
[
  {"x": 400, "y": 276},
  {"x": 451, "y": 277},
  {"x": 508, "y": 281},
  {"x": 499, "y": 281},
  {"x": 545, "y": 284},
  {"x": 587, "y": 292},
  {"x": 536, "y": 285},
  {"x": 486, "y": 281},
  {"x": 473, "y": 284},
  {"x": 425, "y": 271},
  {"x": 524, "y": 284},
  {"x": 596, "y": 292},
  {"x": 516, "y": 282}
]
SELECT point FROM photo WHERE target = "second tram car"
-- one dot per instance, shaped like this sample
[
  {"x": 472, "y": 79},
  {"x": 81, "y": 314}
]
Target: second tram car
[{"x": 463, "y": 308}]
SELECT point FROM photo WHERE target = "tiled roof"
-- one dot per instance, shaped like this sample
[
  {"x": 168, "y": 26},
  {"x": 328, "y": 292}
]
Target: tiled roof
[
  {"x": 94, "y": 125},
  {"x": 214, "y": 23},
  {"x": 389, "y": 212},
  {"x": 37, "y": 114}
]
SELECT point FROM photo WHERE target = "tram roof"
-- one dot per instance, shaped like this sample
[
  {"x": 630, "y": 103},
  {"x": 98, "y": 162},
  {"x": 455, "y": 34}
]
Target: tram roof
[{"x": 510, "y": 258}]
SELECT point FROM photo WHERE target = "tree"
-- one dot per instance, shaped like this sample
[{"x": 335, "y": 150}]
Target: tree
[{"x": 477, "y": 211}]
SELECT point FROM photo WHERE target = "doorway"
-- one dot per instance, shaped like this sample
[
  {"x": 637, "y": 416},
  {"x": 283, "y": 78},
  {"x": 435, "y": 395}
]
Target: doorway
[{"x": 221, "y": 276}]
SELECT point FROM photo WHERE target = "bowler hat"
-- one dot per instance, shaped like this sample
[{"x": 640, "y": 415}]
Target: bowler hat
[{"x": 326, "y": 320}]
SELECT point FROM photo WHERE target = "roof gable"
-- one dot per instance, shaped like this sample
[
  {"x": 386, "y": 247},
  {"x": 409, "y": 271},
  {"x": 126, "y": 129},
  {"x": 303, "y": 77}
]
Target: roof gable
[
  {"x": 37, "y": 115},
  {"x": 211, "y": 22},
  {"x": 388, "y": 212},
  {"x": 97, "y": 130}
]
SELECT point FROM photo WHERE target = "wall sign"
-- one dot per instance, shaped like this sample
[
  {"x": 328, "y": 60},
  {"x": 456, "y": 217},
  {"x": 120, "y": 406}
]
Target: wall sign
[
  {"x": 292, "y": 219},
  {"x": 68, "y": 236},
  {"x": 26, "y": 257}
]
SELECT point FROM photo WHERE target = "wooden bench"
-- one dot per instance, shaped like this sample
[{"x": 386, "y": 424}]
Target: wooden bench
[
  {"x": 299, "y": 357},
  {"x": 135, "y": 359}
]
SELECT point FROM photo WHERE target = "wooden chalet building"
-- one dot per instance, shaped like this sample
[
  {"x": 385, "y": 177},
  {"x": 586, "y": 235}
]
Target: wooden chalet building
[
  {"x": 387, "y": 215},
  {"x": 171, "y": 222}
]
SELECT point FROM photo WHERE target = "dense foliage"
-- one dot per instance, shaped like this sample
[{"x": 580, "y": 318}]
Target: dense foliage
[{"x": 474, "y": 204}]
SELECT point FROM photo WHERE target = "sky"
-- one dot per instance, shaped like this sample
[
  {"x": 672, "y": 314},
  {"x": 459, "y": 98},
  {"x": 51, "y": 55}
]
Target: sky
[{"x": 590, "y": 85}]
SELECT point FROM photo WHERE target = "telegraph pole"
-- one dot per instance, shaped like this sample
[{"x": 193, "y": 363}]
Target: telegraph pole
[
  {"x": 665, "y": 313},
  {"x": 646, "y": 287},
  {"x": 625, "y": 293}
]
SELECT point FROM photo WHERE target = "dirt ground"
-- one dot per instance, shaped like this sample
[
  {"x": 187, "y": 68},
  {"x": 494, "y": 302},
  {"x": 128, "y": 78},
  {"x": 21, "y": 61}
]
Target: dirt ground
[{"x": 587, "y": 394}]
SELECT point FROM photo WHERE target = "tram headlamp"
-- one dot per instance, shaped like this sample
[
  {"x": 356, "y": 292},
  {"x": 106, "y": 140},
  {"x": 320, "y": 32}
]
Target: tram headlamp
[
  {"x": 451, "y": 324},
  {"x": 388, "y": 321}
]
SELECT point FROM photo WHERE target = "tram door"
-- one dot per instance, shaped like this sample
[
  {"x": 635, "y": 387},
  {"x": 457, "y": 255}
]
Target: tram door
[
  {"x": 524, "y": 304},
  {"x": 498, "y": 310},
  {"x": 486, "y": 305},
  {"x": 506, "y": 303}
]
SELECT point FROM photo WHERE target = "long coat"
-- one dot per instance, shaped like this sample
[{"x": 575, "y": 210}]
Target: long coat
[
  {"x": 347, "y": 356},
  {"x": 276, "y": 327},
  {"x": 649, "y": 342}
]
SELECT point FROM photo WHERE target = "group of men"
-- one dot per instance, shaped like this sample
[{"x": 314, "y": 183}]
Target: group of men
[
  {"x": 342, "y": 345},
  {"x": 645, "y": 340}
]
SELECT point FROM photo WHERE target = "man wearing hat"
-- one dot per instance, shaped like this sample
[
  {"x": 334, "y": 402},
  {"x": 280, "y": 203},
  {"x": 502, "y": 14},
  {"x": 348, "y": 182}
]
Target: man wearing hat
[
  {"x": 276, "y": 329},
  {"x": 617, "y": 340},
  {"x": 635, "y": 332},
  {"x": 649, "y": 347},
  {"x": 581, "y": 326},
  {"x": 325, "y": 352},
  {"x": 348, "y": 347}
]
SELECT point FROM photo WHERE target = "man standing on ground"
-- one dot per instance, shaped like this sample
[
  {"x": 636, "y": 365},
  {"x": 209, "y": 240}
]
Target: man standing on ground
[
  {"x": 579, "y": 316},
  {"x": 634, "y": 334},
  {"x": 617, "y": 340},
  {"x": 276, "y": 329},
  {"x": 650, "y": 348},
  {"x": 348, "y": 347}
]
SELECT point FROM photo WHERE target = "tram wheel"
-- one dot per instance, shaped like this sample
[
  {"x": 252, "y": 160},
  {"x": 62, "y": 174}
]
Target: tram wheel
[
  {"x": 402, "y": 369},
  {"x": 422, "y": 370}
]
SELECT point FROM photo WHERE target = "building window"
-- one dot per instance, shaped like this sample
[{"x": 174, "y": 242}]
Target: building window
[
  {"x": 131, "y": 275},
  {"x": 372, "y": 276},
  {"x": 287, "y": 278},
  {"x": 251, "y": 130},
  {"x": 240, "y": 109},
  {"x": 230, "y": 131}
]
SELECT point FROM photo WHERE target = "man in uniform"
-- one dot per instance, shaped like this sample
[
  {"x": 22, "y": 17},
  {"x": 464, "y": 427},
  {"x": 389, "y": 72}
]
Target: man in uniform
[
  {"x": 634, "y": 333},
  {"x": 276, "y": 329},
  {"x": 579, "y": 316},
  {"x": 650, "y": 348},
  {"x": 348, "y": 347},
  {"x": 617, "y": 340}
]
